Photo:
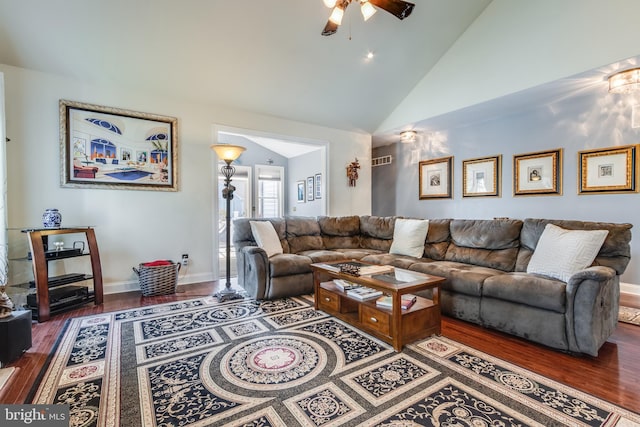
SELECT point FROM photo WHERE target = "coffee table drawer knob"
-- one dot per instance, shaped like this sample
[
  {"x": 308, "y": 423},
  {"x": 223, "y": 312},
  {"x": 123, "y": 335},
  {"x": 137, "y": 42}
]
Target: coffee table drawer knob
[
  {"x": 374, "y": 320},
  {"x": 327, "y": 299}
]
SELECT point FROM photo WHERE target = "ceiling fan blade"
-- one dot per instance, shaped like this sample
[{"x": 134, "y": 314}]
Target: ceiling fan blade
[
  {"x": 329, "y": 29},
  {"x": 332, "y": 27},
  {"x": 398, "y": 8}
]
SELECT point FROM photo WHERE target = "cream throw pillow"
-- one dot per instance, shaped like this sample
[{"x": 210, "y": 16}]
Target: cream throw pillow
[
  {"x": 409, "y": 236},
  {"x": 560, "y": 253},
  {"x": 266, "y": 237}
]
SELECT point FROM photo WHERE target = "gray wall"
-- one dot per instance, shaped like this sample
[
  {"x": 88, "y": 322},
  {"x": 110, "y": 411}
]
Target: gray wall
[
  {"x": 594, "y": 119},
  {"x": 383, "y": 198},
  {"x": 301, "y": 168}
]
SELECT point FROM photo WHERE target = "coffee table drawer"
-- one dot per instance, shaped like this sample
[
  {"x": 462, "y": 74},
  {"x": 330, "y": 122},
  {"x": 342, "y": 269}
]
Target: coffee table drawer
[
  {"x": 374, "y": 319},
  {"x": 328, "y": 300}
]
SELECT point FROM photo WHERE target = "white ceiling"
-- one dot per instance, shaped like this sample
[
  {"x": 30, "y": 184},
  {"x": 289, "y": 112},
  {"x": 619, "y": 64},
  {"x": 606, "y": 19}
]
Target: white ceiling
[{"x": 262, "y": 56}]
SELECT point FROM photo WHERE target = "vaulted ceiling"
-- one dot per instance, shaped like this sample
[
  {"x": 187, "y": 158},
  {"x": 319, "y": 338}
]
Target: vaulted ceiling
[{"x": 261, "y": 56}]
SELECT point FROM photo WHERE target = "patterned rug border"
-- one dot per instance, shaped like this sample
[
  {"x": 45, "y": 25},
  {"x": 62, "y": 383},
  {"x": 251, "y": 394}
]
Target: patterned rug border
[
  {"x": 480, "y": 368},
  {"x": 629, "y": 315}
]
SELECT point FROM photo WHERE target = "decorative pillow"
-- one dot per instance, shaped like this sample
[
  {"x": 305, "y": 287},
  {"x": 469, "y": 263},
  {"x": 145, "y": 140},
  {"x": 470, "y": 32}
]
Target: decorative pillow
[
  {"x": 560, "y": 253},
  {"x": 409, "y": 236},
  {"x": 266, "y": 237}
]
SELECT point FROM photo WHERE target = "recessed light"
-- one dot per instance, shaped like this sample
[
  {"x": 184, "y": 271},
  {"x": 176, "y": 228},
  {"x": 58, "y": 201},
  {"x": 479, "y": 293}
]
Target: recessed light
[{"x": 369, "y": 55}]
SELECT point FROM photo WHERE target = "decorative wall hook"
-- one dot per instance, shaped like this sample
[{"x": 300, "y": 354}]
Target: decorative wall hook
[{"x": 352, "y": 172}]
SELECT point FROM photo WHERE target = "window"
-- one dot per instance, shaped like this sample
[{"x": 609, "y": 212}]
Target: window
[{"x": 269, "y": 196}]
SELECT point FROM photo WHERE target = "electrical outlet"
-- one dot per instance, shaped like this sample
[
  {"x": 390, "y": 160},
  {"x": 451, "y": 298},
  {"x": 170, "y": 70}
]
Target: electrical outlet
[{"x": 185, "y": 259}]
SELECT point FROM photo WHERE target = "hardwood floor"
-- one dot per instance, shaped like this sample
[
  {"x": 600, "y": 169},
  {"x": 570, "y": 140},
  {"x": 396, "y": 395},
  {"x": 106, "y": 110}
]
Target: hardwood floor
[{"x": 612, "y": 376}]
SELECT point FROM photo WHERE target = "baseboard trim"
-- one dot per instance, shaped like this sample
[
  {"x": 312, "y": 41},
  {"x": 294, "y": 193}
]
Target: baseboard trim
[
  {"x": 631, "y": 289},
  {"x": 131, "y": 286}
]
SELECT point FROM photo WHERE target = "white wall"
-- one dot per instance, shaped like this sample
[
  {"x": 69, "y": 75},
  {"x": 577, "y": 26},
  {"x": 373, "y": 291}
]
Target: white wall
[
  {"x": 518, "y": 44},
  {"x": 138, "y": 226}
]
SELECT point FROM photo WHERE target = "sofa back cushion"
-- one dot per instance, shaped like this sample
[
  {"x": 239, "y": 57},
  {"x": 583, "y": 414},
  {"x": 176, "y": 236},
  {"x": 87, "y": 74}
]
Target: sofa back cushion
[
  {"x": 376, "y": 232},
  {"x": 303, "y": 234},
  {"x": 615, "y": 251},
  {"x": 487, "y": 243},
  {"x": 341, "y": 232},
  {"x": 242, "y": 235},
  {"x": 438, "y": 239}
]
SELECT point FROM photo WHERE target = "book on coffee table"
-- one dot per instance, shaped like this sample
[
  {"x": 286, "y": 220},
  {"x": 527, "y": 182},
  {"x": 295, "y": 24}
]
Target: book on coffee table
[
  {"x": 345, "y": 285},
  {"x": 406, "y": 302},
  {"x": 363, "y": 293}
]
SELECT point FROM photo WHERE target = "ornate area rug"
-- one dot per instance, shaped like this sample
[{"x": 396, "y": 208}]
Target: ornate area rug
[
  {"x": 629, "y": 315},
  {"x": 281, "y": 363}
]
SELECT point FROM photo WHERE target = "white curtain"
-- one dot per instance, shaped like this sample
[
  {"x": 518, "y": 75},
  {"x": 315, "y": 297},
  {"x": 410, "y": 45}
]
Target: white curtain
[{"x": 4, "y": 261}]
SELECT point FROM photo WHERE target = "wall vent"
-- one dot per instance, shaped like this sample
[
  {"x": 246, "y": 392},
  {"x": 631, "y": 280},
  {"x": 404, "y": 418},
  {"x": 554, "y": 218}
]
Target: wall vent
[{"x": 381, "y": 161}]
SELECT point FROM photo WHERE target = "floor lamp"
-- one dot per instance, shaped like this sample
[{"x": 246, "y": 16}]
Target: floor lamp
[{"x": 228, "y": 153}]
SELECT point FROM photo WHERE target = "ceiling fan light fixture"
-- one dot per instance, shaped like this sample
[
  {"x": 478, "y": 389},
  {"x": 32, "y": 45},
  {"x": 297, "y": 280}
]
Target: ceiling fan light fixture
[
  {"x": 367, "y": 10},
  {"x": 626, "y": 81},
  {"x": 336, "y": 15},
  {"x": 330, "y": 3}
]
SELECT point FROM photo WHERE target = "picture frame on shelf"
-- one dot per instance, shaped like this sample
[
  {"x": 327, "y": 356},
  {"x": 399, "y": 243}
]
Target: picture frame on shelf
[
  {"x": 608, "y": 170},
  {"x": 318, "y": 186},
  {"x": 436, "y": 178},
  {"x": 301, "y": 193},
  {"x": 98, "y": 144},
  {"x": 538, "y": 173},
  {"x": 310, "y": 189},
  {"x": 482, "y": 177}
]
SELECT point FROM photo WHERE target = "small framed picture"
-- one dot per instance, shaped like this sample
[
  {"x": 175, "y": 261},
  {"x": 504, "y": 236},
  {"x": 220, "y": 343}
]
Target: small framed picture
[
  {"x": 301, "y": 185},
  {"x": 310, "y": 189},
  {"x": 608, "y": 170},
  {"x": 436, "y": 178},
  {"x": 538, "y": 173},
  {"x": 482, "y": 177},
  {"x": 318, "y": 188}
]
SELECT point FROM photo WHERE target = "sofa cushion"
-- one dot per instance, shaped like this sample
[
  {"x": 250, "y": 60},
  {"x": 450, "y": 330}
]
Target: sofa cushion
[
  {"x": 529, "y": 289},
  {"x": 303, "y": 234},
  {"x": 615, "y": 252},
  {"x": 409, "y": 236},
  {"x": 243, "y": 236},
  {"x": 288, "y": 264},
  {"x": 438, "y": 238},
  {"x": 560, "y": 253},
  {"x": 487, "y": 243},
  {"x": 376, "y": 232},
  {"x": 357, "y": 253},
  {"x": 460, "y": 277},
  {"x": 340, "y": 232},
  {"x": 266, "y": 238},
  {"x": 323, "y": 255},
  {"x": 400, "y": 261}
]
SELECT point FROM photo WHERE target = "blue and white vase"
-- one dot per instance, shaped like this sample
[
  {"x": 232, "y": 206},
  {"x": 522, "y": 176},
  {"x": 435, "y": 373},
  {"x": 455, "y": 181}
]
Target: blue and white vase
[{"x": 51, "y": 218}]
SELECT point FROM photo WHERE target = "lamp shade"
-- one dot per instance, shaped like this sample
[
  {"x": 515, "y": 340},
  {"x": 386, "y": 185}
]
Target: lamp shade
[
  {"x": 228, "y": 152},
  {"x": 367, "y": 10},
  {"x": 625, "y": 81}
]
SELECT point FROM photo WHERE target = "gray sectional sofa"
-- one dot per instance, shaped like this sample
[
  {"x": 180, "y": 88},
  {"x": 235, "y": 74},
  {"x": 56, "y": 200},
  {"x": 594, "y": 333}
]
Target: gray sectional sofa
[{"x": 484, "y": 263}]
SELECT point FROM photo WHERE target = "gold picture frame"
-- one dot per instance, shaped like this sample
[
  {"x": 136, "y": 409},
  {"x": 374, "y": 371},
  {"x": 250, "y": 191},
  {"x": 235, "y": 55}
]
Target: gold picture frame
[
  {"x": 608, "y": 170},
  {"x": 482, "y": 177},
  {"x": 436, "y": 178},
  {"x": 538, "y": 174}
]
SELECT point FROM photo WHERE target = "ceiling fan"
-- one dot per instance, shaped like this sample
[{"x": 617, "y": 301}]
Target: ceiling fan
[{"x": 398, "y": 8}]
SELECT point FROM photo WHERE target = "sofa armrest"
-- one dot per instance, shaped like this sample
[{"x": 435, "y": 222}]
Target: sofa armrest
[
  {"x": 253, "y": 271},
  {"x": 593, "y": 296}
]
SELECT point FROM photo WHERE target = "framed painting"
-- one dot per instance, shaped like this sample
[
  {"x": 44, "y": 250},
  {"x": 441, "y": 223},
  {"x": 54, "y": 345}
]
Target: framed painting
[
  {"x": 318, "y": 186},
  {"x": 310, "y": 189},
  {"x": 482, "y": 177},
  {"x": 538, "y": 173},
  {"x": 112, "y": 148},
  {"x": 301, "y": 194},
  {"x": 608, "y": 170},
  {"x": 436, "y": 176}
]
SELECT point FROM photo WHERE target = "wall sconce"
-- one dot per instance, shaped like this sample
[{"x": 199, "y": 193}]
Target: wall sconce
[
  {"x": 408, "y": 136},
  {"x": 626, "y": 81}
]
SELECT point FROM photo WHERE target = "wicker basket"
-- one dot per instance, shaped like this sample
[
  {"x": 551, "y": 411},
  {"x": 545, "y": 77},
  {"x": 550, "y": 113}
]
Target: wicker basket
[{"x": 158, "y": 280}]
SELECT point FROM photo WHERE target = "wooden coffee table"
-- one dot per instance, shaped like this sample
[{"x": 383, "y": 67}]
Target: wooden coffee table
[{"x": 393, "y": 325}]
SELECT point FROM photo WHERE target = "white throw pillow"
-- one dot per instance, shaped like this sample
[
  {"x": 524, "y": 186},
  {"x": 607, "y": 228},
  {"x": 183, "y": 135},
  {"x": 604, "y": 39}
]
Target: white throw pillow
[
  {"x": 560, "y": 253},
  {"x": 266, "y": 237},
  {"x": 409, "y": 236}
]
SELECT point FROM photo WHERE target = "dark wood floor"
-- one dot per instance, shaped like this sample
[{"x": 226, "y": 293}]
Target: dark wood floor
[{"x": 612, "y": 376}]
